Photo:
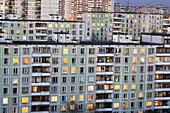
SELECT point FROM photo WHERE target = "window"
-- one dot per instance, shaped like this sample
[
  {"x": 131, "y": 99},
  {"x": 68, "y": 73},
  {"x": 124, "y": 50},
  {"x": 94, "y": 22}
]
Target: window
[
  {"x": 133, "y": 77},
  {"x": 126, "y": 68},
  {"x": 118, "y": 50},
  {"x": 151, "y": 51},
  {"x": 133, "y": 68},
  {"x": 133, "y": 86},
  {"x": 64, "y": 89},
  {"x": 140, "y": 95},
  {"x": 81, "y": 69},
  {"x": 150, "y": 60},
  {"x": 82, "y": 51},
  {"x": 126, "y": 60},
  {"x": 71, "y": 107},
  {"x": 132, "y": 104},
  {"x": 24, "y": 109},
  {"x": 53, "y": 98},
  {"x": 14, "y": 100},
  {"x": 142, "y": 59},
  {"x": 55, "y": 60},
  {"x": 150, "y": 78},
  {"x": 6, "y": 51},
  {"x": 89, "y": 97},
  {"x": 15, "y": 51},
  {"x": 116, "y": 87},
  {"x": 142, "y": 51},
  {"x": 5, "y": 81},
  {"x": 26, "y": 51},
  {"x": 134, "y": 50},
  {"x": 81, "y": 79},
  {"x": 63, "y": 98},
  {"x": 91, "y": 50},
  {"x": 134, "y": 60},
  {"x": 15, "y": 71},
  {"x": 126, "y": 78},
  {"x": 25, "y": 70},
  {"x": 6, "y": 61},
  {"x": 64, "y": 69},
  {"x": 64, "y": 60},
  {"x": 53, "y": 89},
  {"x": 73, "y": 79},
  {"x": 149, "y": 95},
  {"x": 5, "y": 100},
  {"x": 127, "y": 51},
  {"x": 24, "y": 90},
  {"x": 73, "y": 60},
  {"x": 125, "y": 96},
  {"x": 73, "y": 70},
  {"x": 150, "y": 68},
  {"x": 55, "y": 50},
  {"x": 82, "y": 61},
  {"x": 125, "y": 86},
  {"x": 26, "y": 61},
  {"x": 91, "y": 79},
  {"x": 124, "y": 104},
  {"x": 81, "y": 88},
  {"x": 5, "y": 91},
  {"x": 14, "y": 91},
  {"x": 6, "y": 71},
  {"x": 148, "y": 103},
  {"x": 55, "y": 80},
  {"x": 15, "y": 81},
  {"x": 115, "y": 105},
  {"x": 53, "y": 108},
  {"x": 116, "y": 96},
  {"x": 55, "y": 70},
  {"x": 73, "y": 50},
  {"x": 117, "y": 59},
  {"x": 141, "y": 86},
  {"x": 90, "y": 88},
  {"x": 81, "y": 97},
  {"x": 72, "y": 98},
  {"x": 63, "y": 108},
  {"x": 91, "y": 60},
  {"x": 149, "y": 86},
  {"x": 89, "y": 106},
  {"x": 91, "y": 69},
  {"x": 65, "y": 51},
  {"x": 25, "y": 99},
  {"x": 141, "y": 69}
]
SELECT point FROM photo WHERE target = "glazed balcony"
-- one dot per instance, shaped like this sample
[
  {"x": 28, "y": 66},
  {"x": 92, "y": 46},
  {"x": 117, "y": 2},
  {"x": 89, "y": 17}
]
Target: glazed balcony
[
  {"x": 104, "y": 107},
  {"x": 40, "y": 109},
  {"x": 40, "y": 100},
  {"x": 105, "y": 61},
  {"x": 106, "y": 52}
]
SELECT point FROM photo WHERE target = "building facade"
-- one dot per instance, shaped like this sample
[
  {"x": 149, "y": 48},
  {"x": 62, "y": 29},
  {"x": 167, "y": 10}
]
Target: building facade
[{"x": 112, "y": 78}]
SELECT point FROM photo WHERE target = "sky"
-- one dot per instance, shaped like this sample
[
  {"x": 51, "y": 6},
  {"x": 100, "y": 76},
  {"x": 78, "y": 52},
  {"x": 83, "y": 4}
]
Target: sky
[{"x": 143, "y": 2}]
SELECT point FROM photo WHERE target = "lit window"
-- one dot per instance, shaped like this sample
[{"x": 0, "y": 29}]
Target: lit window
[
  {"x": 158, "y": 103},
  {"x": 24, "y": 38},
  {"x": 142, "y": 60},
  {"x": 72, "y": 98},
  {"x": 89, "y": 106},
  {"x": 140, "y": 95},
  {"x": 88, "y": 38},
  {"x": 150, "y": 60},
  {"x": 80, "y": 97},
  {"x": 140, "y": 112},
  {"x": 62, "y": 25},
  {"x": 15, "y": 81},
  {"x": 73, "y": 70},
  {"x": 125, "y": 87},
  {"x": 71, "y": 107},
  {"x": 68, "y": 26},
  {"x": 65, "y": 51},
  {"x": 94, "y": 15},
  {"x": 127, "y": 51},
  {"x": 130, "y": 29},
  {"x": 5, "y": 100},
  {"x": 134, "y": 68},
  {"x": 56, "y": 25},
  {"x": 110, "y": 38},
  {"x": 115, "y": 105},
  {"x": 34, "y": 88},
  {"x": 64, "y": 69},
  {"x": 15, "y": 61},
  {"x": 53, "y": 98},
  {"x": 134, "y": 51},
  {"x": 91, "y": 88},
  {"x": 89, "y": 97},
  {"x": 24, "y": 109},
  {"x": 18, "y": 31},
  {"x": 50, "y": 25},
  {"x": 116, "y": 87},
  {"x": 24, "y": 25},
  {"x": 133, "y": 86},
  {"x": 5, "y": 30},
  {"x": 124, "y": 104},
  {"x": 64, "y": 60},
  {"x": 26, "y": 61},
  {"x": 63, "y": 108},
  {"x": 148, "y": 103},
  {"x": 24, "y": 99},
  {"x": 142, "y": 51},
  {"x": 134, "y": 60}
]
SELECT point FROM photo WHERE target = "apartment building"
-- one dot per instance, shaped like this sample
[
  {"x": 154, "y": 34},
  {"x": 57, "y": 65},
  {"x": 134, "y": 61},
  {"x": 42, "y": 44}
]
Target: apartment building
[
  {"x": 50, "y": 77},
  {"x": 40, "y": 30},
  {"x": 102, "y": 26},
  {"x": 72, "y": 7}
]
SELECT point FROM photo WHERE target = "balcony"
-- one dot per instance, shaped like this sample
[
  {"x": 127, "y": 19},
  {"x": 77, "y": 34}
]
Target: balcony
[
  {"x": 40, "y": 93},
  {"x": 40, "y": 34},
  {"x": 41, "y": 73},
  {"x": 103, "y": 100},
  {"x": 40, "y": 109},
  {"x": 39, "y": 103},
  {"x": 47, "y": 64},
  {"x": 103, "y": 109},
  {"x": 162, "y": 72},
  {"x": 41, "y": 54},
  {"x": 162, "y": 98},
  {"x": 163, "y": 54},
  {"x": 105, "y": 72},
  {"x": 162, "y": 81},
  {"x": 104, "y": 91},
  {"x": 162, "y": 107},
  {"x": 162, "y": 89},
  {"x": 41, "y": 84},
  {"x": 106, "y": 52}
]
